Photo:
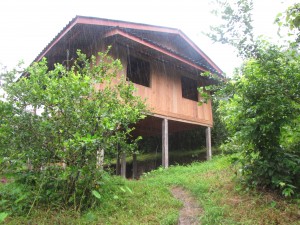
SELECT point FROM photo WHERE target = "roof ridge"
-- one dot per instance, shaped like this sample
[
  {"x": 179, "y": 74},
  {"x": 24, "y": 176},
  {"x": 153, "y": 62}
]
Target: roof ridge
[{"x": 88, "y": 20}]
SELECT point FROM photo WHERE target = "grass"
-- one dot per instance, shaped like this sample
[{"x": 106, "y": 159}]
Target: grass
[
  {"x": 148, "y": 201},
  {"x": 122, "y": 202},
  {"x": 223, "y": 200}
]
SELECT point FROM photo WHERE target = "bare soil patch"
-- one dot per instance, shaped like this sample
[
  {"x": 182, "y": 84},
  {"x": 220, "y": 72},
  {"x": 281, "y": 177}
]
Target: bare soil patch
[{"x": 189, "y": 214}]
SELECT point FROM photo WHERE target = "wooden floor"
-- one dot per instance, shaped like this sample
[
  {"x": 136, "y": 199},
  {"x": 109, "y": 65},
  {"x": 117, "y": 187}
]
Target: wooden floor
[{"x": 152, "y": 126}]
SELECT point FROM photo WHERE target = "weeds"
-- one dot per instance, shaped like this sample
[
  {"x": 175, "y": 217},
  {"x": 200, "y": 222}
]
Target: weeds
[{"x": 149, "y": 201}]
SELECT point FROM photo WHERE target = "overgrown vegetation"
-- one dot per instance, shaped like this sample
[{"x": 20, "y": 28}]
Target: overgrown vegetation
[
  {"x": 54, "y": 123},
  {"x": 219, "y": 132},
  {"x": 260, "y": 104},
  {"x": 149, "y": 201},
  {"x": 261, "y": 114}
]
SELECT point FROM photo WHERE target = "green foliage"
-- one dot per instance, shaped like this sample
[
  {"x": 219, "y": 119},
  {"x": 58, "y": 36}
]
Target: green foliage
[
  {"x": 264, "y": 102},
  {"x": 6, "y": 132},
  {"x": 261, "y": 103},
  {"x": 122, "y": 202},
  {"x": 290, "y": 19},
  {"x": 3, "y": 215},
  {"x": 236, "y": 26},
  {"x": 14, "y": 198},
  {"x": 150, "y": 200},
  {"x": 202, "y": 180},
  {"x": 219, "y": 131},
  {"x": 80, "y": 111}
]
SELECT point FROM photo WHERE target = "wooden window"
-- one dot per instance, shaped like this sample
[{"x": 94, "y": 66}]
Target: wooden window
[
  {"x": 189, "y": 88},
  {"x": 138, "y": 71}
]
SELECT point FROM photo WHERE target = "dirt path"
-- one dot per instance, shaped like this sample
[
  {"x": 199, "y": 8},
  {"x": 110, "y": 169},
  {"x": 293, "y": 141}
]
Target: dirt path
[{"x": 189, "y": 214}]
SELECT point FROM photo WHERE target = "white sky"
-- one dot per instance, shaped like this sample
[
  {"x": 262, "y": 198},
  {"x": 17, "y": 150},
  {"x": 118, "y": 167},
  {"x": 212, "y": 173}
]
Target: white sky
[{"x": 27, "y": 26}]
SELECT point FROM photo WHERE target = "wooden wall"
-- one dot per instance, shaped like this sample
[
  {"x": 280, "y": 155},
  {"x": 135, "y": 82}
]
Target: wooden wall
[{"x": 164, "y": 96}]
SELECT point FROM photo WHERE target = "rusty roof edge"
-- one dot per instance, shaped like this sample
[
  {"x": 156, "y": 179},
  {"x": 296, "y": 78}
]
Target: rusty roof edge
[
  {"x": 139, "y": 26},
  {"x": 208, "y": 68},
  {"x": 79, "y": 19},
  {"x": 132, "y": 25},
  {"x": 209, "y": 60}
]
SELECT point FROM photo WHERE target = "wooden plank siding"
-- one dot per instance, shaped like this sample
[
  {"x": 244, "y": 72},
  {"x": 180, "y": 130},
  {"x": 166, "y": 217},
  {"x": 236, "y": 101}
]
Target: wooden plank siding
[{"x": 164, "y": 96}]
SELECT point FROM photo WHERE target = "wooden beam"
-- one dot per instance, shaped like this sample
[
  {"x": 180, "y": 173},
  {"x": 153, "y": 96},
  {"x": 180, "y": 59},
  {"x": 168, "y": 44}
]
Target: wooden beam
[
  {"x": 152, "y": 46},
  {"x": 165, "y": 144},
  {"x": 123, "y": 164},
  {"x": 130, "y": 25},
  {"x": 208, "y": 143},
  {"x": 115, "y": 23},
  {"x": 180, "y": 118},
  {"x": 134, "y": 166}
]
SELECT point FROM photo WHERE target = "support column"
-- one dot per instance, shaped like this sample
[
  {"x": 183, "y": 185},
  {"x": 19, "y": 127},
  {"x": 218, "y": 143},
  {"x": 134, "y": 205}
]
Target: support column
[
  {"x": 123, "y": 164},
  {"x": 134, "y": 166},
  {"x": 165, "y": 144},
  {"x": 100, "y": 159},
  {"x": 208, "y": 143}
]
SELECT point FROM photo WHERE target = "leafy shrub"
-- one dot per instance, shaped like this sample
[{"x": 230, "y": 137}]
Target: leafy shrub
[
  {"x": 263, "y": 103},
  {"x": 14, "y": 198},
  {"x": 55, "y": 122}
]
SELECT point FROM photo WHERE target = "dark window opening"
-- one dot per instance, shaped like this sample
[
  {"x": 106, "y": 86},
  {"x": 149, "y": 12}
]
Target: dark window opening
[
  {"x": 189, "y": 88},
  {"x": 138, "y": 71}
]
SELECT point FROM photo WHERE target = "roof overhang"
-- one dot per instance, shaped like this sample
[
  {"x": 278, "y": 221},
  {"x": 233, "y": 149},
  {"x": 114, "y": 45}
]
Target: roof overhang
[
  {"x": 118, "y": 28},
  {"x": 119, "y": 32}
]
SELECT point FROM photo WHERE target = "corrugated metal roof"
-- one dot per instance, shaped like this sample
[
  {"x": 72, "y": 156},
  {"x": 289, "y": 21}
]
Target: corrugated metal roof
[
  {"x": 202, "y": 63},
  {"x": 133, "y": 28}
]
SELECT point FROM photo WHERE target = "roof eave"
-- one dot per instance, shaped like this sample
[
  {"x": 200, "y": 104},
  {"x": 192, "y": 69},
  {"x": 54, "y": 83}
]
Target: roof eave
[{"x": 117, "y": 23}]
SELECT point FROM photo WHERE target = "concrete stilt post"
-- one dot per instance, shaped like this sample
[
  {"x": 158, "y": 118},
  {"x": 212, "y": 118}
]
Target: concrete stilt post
[
  {"x": 208, "y": 143},
  {"x": 165, "y": 144}
]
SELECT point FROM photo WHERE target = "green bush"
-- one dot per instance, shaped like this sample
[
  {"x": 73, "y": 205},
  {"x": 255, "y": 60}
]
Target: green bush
[
  {"x": 54, "y": 152},
  {"x": 263, "y": 103},
  {"x": 14, "y": 198}
]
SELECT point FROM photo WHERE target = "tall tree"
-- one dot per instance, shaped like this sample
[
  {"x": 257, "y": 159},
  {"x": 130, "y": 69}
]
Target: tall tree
[
  {"x": 262, "y": 103},
  {"x": 236, "y": 27}
]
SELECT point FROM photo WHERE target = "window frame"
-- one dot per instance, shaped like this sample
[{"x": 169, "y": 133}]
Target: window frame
[
  {"x": 135, "y": 68},
  {"x": 187, "y": 86}
]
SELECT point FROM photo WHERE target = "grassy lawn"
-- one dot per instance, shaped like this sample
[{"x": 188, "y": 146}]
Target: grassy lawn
[{"x": 149, "y": 201}]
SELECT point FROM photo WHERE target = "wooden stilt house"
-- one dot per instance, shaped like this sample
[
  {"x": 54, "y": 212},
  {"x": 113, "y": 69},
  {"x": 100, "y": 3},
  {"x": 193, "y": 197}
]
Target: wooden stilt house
[{"x": 163, "y": 63}]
